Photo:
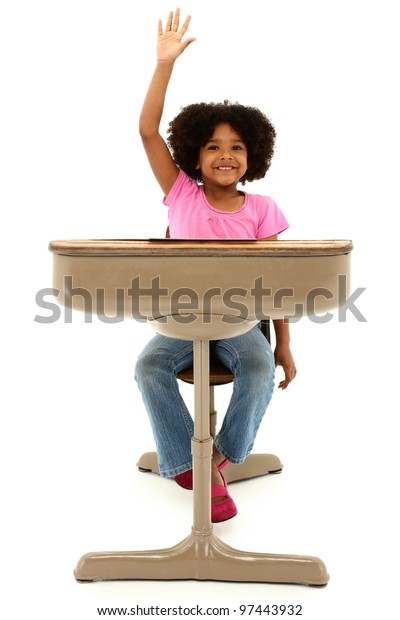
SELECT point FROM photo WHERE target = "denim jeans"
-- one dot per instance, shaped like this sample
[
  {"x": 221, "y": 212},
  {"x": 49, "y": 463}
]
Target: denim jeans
[{"x": 249, "y": 357}]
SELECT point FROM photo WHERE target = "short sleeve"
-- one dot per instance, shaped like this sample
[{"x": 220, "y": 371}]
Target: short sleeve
[{"x": 272, "y": 221}]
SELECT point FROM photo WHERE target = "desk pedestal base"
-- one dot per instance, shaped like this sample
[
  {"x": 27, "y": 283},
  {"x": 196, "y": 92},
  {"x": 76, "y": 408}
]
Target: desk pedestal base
[{"x": 202, "y": 557}]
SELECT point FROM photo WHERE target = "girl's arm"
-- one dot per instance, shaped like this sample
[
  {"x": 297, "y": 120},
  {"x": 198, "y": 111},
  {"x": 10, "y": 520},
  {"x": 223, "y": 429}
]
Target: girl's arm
[
  {"x": 283, "y": 354},
  {"x": 169, "y": 47}
]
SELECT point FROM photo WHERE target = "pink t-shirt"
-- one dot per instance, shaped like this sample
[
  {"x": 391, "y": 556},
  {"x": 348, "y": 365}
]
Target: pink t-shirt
[{"x": 192, "y": 217}]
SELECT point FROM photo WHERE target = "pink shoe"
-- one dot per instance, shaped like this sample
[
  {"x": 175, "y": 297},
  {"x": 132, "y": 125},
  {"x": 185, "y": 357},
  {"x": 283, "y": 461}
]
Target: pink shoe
[
  {"x": 222, "y": 464},
  {"x": 226, "y": 508},
  {"x": 185, "y": 480}
]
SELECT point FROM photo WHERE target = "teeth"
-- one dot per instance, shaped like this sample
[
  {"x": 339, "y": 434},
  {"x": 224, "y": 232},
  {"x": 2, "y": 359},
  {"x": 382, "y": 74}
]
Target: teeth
[{"x": 225, "y": 167}]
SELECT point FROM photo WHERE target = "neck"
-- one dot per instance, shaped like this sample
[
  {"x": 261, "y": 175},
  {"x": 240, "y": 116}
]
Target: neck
[
  {"x": 221, "y": 193},
  {"x": 224, "y": 198}
]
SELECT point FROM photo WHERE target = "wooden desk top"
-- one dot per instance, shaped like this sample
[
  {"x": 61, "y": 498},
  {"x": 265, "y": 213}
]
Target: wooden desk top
[{"x": 204, "y": 248}]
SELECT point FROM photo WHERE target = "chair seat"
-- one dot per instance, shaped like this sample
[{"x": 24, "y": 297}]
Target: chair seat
[{"x": 219, "y": 374}]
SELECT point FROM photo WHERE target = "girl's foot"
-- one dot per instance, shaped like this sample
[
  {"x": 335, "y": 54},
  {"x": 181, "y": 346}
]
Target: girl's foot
[
  {"x": 222, "y": 505},
  {"x": 185, "y": 480}
]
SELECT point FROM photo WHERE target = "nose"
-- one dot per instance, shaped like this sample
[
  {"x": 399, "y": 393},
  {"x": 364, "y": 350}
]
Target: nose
[{"x": 225, "y": 153}]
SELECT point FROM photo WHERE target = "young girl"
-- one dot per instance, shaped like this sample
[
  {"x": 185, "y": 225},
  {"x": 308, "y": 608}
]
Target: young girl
[{"x": 214, "y": 147}]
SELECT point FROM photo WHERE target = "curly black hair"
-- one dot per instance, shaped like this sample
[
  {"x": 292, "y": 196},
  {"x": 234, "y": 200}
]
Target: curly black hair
[{"x": 194, "y": 125}]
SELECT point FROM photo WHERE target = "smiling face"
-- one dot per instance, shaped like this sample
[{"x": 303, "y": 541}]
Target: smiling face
[{"x": 223, "y": 159}]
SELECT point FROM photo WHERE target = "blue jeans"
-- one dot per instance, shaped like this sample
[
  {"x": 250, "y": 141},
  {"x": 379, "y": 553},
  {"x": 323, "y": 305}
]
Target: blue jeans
[{"x": 249, "y": 357}]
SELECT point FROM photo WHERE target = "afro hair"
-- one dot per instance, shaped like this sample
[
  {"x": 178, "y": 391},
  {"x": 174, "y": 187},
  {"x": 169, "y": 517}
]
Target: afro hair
[{"x": 195, "y": 124}]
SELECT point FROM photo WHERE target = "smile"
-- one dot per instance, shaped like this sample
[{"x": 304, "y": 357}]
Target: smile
[{"x": 225, "y": 168}]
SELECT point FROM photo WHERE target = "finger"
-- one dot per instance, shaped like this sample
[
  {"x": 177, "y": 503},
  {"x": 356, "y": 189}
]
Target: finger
[
  {"x": 289, "y": 376},
  {"x": 175, "y": 24},
  {"x": 169, "y": 21},
  {"x": 185, "y": 26},
  {"x": 160, "y": 30},
  {"x": 187, "y": 42}
]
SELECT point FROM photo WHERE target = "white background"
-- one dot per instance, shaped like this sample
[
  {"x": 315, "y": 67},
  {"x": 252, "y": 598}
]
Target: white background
[{"x": 73, "y": 77}]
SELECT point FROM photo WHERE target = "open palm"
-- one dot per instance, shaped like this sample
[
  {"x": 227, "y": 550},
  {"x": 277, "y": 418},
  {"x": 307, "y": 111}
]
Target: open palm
[{"x": 170, "y": 44}]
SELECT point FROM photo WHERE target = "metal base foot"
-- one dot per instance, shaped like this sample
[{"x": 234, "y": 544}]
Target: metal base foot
[
  {"x": 202, "y": 557},
  {"x": 255, "y": 465}
]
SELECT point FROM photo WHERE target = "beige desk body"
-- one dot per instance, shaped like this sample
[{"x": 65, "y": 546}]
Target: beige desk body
[
  {"x": 213, "y": 289},
  {"x": 203, "y": 290}
]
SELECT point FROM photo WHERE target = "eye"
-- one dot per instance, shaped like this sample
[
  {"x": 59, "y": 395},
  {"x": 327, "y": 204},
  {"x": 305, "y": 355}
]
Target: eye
[
  {"x": 237, "y": 147},
  {"x": 212, "y": 147}
]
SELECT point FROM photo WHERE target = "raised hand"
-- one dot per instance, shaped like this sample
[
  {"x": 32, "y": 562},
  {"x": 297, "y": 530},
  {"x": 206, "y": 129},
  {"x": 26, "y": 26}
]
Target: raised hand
[{"x": 170, "y": 44}]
